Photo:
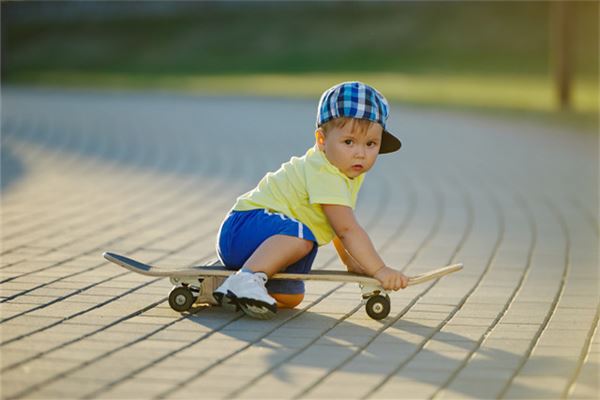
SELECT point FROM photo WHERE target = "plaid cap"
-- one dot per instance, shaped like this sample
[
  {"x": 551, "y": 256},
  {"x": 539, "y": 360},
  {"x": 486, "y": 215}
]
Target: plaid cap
[{"x": 361, "y": 101}]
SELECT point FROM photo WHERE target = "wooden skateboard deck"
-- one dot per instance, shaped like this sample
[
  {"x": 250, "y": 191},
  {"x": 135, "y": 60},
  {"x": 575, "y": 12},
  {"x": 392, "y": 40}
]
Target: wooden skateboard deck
[
  {"x": 190, "y": 282},
  {"x": 217, "y": 269}
]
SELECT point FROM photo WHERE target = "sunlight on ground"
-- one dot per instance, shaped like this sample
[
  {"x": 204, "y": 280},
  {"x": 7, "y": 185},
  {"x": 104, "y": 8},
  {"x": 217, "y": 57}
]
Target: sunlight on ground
[{"x": 522, "y": 93}]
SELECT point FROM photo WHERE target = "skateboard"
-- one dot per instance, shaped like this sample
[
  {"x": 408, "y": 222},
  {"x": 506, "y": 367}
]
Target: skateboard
[{"x": 194, "y": 285}]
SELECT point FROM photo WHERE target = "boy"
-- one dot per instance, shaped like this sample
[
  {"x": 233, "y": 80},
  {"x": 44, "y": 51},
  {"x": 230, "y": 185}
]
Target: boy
[{"x": 308, "y": 202}]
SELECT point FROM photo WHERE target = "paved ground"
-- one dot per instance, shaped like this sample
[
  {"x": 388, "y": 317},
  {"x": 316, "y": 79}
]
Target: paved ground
[{"x": 152, "y": 177}]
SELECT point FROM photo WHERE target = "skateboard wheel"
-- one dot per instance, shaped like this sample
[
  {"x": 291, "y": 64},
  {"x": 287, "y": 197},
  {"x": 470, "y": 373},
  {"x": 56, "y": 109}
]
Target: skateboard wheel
[
  {"x": 181, "y": 299},
  {"x": 378, "y": 307}
]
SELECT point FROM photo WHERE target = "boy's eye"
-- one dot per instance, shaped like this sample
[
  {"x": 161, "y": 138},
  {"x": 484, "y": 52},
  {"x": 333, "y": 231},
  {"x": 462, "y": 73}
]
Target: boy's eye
[
  {"x": 371, "y": 144},
  {"x": 348, "y": 141}
]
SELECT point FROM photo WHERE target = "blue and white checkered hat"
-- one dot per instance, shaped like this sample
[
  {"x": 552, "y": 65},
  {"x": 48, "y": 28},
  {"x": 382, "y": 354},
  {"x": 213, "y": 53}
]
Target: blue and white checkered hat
[{"x": 357, "y": 100}]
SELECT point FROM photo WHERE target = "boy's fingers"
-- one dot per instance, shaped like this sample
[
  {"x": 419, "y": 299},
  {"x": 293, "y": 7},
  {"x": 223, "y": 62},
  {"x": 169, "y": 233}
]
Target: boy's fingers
[
  {"x": 399, "y": 284},
  {"x": 395, "y": 282}
]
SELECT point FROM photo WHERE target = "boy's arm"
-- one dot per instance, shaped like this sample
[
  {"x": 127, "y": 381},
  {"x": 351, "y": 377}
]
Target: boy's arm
[
  {"x": 359, "y": 246},
  {"x": 347, "y": 259}
]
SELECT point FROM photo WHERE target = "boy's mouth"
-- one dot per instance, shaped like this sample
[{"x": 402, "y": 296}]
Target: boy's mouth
[{"x": 357, "y": 167}]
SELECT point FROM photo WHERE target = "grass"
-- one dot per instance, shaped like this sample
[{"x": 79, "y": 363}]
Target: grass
[
  {"x": 490, "y": 55},
  {"x": 500, "y": 93}
]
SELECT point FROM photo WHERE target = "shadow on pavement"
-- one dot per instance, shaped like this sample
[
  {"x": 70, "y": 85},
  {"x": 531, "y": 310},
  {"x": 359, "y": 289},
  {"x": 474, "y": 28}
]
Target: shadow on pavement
[
  {"x": 165, "y": 133},
  {"x": 319, "y": 341}
]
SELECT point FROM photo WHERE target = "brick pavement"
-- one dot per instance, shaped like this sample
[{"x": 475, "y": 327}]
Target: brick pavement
[{"x": 151, "y": 176}]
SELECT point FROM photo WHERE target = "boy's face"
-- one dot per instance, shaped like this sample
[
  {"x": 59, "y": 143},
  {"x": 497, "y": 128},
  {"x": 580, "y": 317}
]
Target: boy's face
[{"x": 352, "y": 152}]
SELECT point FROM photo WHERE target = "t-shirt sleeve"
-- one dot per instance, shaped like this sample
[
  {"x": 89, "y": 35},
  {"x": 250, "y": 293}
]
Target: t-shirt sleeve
[{"x": 326, "y": 187}]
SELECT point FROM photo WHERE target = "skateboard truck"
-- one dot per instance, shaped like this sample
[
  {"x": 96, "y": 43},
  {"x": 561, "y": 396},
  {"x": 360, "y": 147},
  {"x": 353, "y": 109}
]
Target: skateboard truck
[
  {"x": 189, "y": 290},
  {"x": 378, "y": 304}
]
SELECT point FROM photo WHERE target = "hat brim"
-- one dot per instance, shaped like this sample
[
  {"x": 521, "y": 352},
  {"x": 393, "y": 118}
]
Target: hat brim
[{"x": 389, "y": 143}]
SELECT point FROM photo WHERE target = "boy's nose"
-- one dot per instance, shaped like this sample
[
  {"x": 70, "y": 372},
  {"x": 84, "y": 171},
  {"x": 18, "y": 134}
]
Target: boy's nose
[{"x": 360, "y": 151}]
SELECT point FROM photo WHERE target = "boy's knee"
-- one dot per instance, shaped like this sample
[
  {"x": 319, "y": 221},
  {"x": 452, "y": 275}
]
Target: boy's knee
[
  {"x": 285, "y": 300},
  {"x": 307, "y": 246}
]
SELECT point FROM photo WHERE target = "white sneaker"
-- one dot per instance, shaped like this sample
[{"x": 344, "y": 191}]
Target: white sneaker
[
  {"x": 247, "y": 291},
  {"x": 222, "y": 297}
]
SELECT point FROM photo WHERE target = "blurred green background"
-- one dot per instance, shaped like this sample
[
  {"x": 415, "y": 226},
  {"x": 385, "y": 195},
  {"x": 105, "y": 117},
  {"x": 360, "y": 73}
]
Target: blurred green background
[{"x": 492, "y": 55}]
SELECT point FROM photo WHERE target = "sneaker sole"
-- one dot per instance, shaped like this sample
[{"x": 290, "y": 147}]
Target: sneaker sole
[
  {"x": 256, "y": 308},
  {"x": 227, "y": 302}
]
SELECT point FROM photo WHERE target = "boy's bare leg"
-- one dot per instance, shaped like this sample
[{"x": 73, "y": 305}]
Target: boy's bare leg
[{"x": 277, "y": 253}]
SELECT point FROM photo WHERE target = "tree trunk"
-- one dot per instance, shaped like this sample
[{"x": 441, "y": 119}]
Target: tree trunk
[{"x": 562, "y": 59}]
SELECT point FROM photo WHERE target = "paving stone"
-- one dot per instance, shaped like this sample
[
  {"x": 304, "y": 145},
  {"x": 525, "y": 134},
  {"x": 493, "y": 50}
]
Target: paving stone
[
  {"x": 80, "y": 326},
  {"x": 547, "y": 387},
  {"x": 495, "y": 358},
  {"x": 74, "y": 388},
  {"x": 344, "y": 384},
  {"x": 411, "y": 384},
  {"x": 136, "y": 389},
  {"x": 587, "y": 384},
  {"x": 474, "y": 388}
]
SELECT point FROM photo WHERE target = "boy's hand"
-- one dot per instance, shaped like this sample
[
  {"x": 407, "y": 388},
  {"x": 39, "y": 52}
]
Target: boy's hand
[{"x": 391, "y": 279}]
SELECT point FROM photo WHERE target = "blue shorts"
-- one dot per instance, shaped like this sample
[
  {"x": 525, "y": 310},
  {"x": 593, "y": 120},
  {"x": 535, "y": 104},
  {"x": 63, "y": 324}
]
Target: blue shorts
[{"x": 243, "y": 231}]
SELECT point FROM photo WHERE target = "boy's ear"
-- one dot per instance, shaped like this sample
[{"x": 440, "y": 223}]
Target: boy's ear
[{"x": 320, "y": 138}]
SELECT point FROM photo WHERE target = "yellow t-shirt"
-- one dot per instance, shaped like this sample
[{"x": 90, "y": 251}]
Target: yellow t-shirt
[{"x": 298, "y": 189}]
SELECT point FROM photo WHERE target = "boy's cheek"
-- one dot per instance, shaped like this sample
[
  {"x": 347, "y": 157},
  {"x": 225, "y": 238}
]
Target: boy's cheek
[{"x": 374, "y": 160}]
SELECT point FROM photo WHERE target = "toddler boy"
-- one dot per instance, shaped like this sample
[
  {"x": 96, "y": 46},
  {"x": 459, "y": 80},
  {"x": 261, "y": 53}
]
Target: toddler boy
[{"x": 307, "y": 203}]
